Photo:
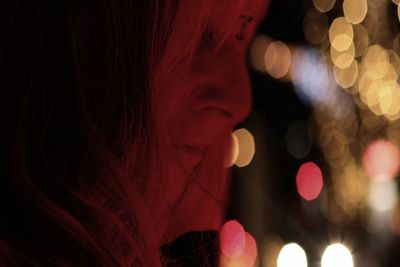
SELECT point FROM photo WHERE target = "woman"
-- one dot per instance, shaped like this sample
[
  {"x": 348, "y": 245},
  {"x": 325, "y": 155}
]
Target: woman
[{"x": 116, "y": 117}]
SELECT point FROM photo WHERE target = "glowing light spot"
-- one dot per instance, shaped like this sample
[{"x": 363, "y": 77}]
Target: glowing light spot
[
  {"x": 233, "y": 152},
  {"x": 292, "y": 255},
  {"x": 309, "y": 181},
  {"x": 312, "y": 78},
  {"x": 315, "y": 26},
  {"x": 382, "y": 195},
  {"x": 398, "y": 11},
  {"x": 381, "y": 160},
  {"x": 277, "y": 59},
  {"x": 246, "y": 258},
  {"x": 337, "y": 255},
  {"x": 355, "y": 10},
  {"x": 376, "y": 62},
  {"x": 343, "y": 59},
  {"x": 341, "y": 34},
  {"x": 324, "y": 5},
  {"x": 247, "y": 147},
  {"x": 257, "y": 52},
  {"x": 232, "y": 239},
  {"x": 249, "y": 255},
  {"x": 346, "y": 77}
]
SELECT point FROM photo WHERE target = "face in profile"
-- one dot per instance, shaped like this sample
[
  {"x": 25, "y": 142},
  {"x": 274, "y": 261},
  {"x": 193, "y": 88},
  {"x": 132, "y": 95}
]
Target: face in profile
[{"x": 202, "y": 100}]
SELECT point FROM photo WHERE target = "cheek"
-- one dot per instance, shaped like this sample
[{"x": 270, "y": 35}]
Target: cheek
[{"x": 171, "y": 96}]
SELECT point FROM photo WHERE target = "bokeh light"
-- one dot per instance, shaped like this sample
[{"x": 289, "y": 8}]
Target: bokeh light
[
  {"x": 278, "y": 59},
  {"x": 337, "y": 255},
  {"x": 247, "y": 147},
  {"x": 324, "y": 5},
  {"x": 376, "y": 62},
  {"x": 343, "y": 59},
  {"x": 341, "y": 34},
  {"x": 347, "y": 76},
  {"x": 233, "y": 151},
  {"x": 381, "y": 160},
  {"x": 382, "y": 196},
  {"x": 309, "y": 181},
  {"x": 246, "y": 258},
  {"x": 232, "y": 239},
  {"x": 258, "y": 49},
  {"x": 355, "y": 10},
  {"x": 292, "y": 255}
]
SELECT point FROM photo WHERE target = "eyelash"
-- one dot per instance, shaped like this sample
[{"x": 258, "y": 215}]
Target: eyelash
[{"x": 210, "y": 41}]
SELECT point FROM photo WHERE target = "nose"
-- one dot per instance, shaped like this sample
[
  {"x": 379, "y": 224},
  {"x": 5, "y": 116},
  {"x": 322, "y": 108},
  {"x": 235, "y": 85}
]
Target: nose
[{"x": 222, "y": 83}]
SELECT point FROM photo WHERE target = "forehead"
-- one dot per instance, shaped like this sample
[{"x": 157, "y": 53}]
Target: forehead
[{"x": 226, "y": 12}]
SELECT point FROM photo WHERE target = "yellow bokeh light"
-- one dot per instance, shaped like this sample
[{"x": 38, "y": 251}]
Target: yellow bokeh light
[
  {"x": 343, "y": 59},
  {"x": 346, "y": 77},
  {"x": 376, "y": 62},
  {"x": 233, "y": 152},
  {"x": 257, "y": 52},
  {"x": 361, "y": 40},
  {"x": 355, "y": 10},
  {"x": 373, "y": 97},
  {"x": 292, "y": 255},
  {"x": 341, "y": 34},
  {"x": 315, "y": 26},
  {"x": 324, "y": 5},
  {"x": 246, "y": 147},
  {"x": 278, "y": 59},
  {"x": 385, "y": 98},
  {"x": 398, "y": 11},
  {"x": 393, "y": 111},
  {"x": 337, "y": 255}
]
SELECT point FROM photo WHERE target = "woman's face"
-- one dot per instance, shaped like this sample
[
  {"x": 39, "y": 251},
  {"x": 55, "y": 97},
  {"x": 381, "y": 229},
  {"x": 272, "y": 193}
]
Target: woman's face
[{"x": 201, "y": 104}]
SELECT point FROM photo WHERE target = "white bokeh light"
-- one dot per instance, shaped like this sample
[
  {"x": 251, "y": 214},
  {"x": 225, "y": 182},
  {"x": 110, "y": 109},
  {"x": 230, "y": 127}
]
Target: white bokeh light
[
  {"x": 337, "y": 255},
  {"x": 292, "y": 255}
]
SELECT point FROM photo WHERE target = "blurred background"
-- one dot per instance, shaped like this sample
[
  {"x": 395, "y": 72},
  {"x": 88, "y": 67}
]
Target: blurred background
[{"x": 315, "y": 181}]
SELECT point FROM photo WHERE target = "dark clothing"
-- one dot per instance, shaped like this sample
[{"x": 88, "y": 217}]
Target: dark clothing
[{"x": 193, "y": 249}]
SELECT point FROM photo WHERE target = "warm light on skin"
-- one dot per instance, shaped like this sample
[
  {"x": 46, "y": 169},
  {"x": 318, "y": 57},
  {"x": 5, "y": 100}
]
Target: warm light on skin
[
  {"x": 247, "y": 147},
  {"x": 381, "y": 160},
  {"x": 324, "y": 5},
  {"x": 309, "y": 181},
  {"x": 292, "y": 255},
  {"x": 341, "y": 34},
  {"x": 337, "y": 255},
  {"x": 355, "y": 10}
]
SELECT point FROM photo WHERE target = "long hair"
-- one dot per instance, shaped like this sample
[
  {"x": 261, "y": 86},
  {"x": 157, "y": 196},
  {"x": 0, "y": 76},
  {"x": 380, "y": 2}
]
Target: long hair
[{"x": 78, "y": 127}]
